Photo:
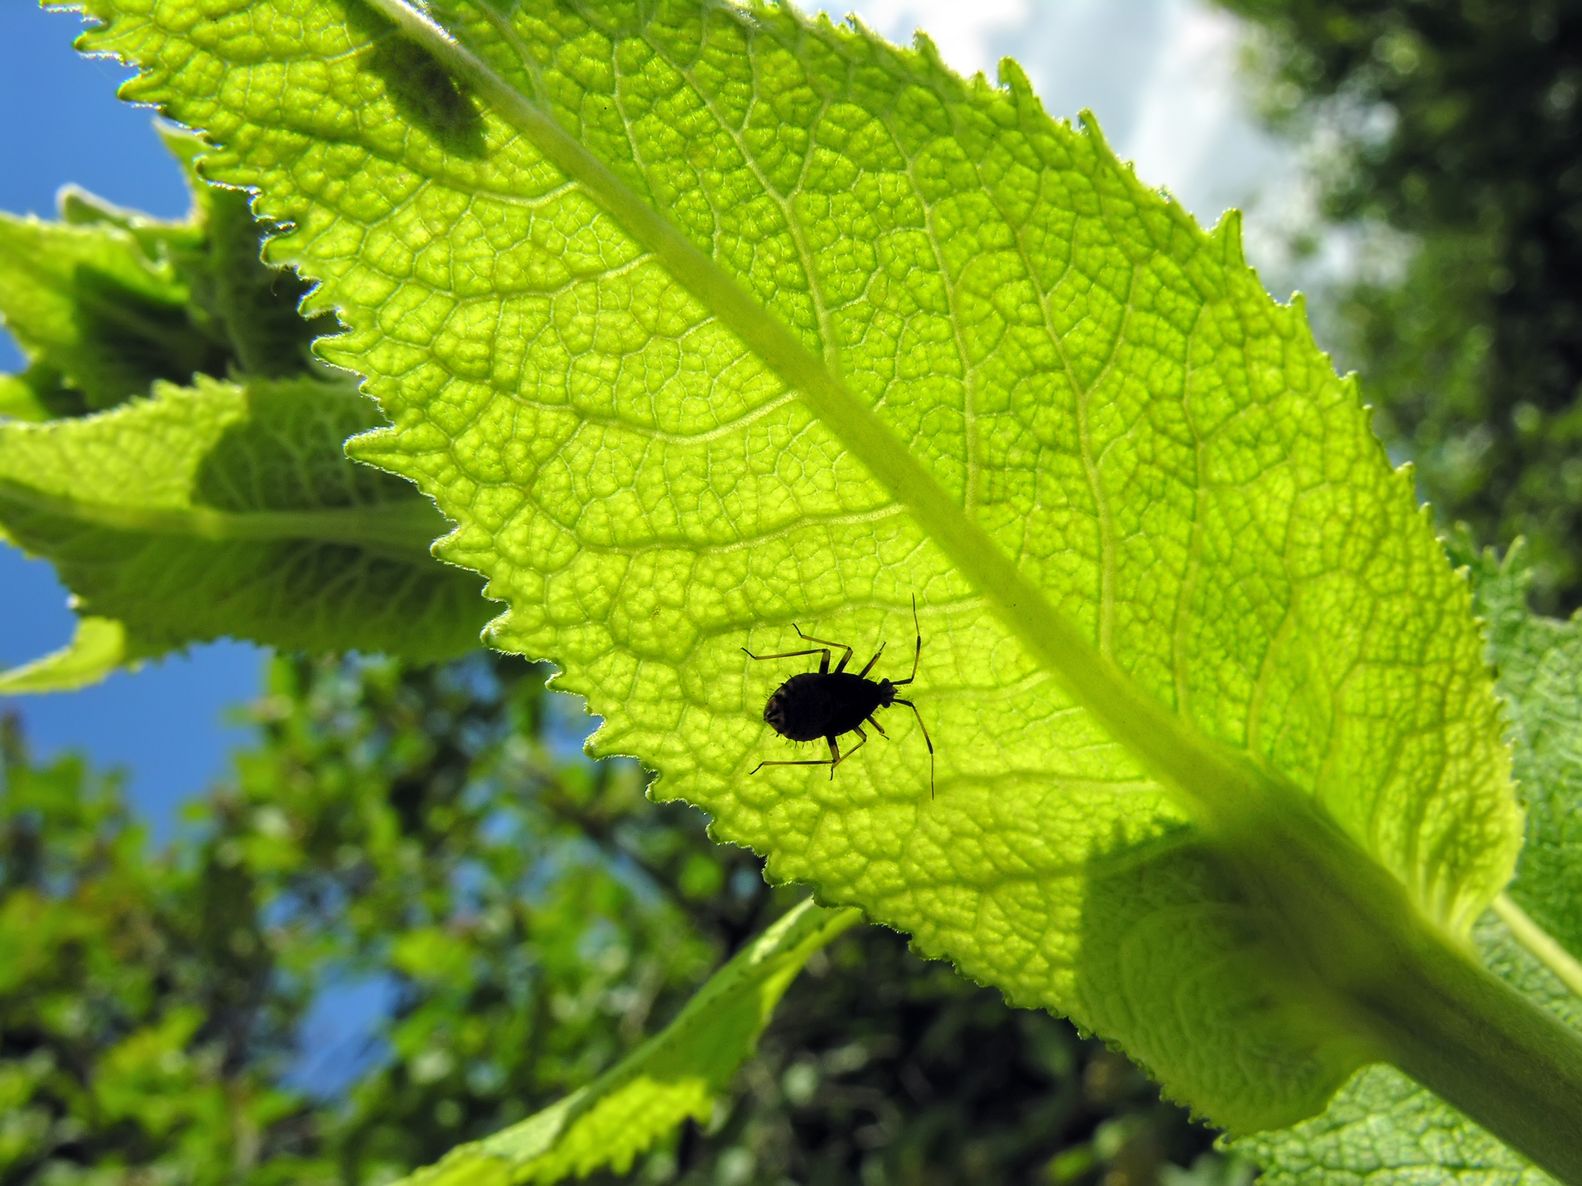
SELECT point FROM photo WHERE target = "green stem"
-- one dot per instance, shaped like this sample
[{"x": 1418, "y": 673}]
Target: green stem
[
  {"x": 1540, "y": 943},
  {"x": 1477, "y": 1043},
  {"x": 1414, "y": 993}
]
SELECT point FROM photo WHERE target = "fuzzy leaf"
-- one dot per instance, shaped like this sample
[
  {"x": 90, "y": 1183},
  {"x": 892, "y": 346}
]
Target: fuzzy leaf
[
  {"x": 108, "y": 301},
  {"x": 88, "y": 303},
  {"x": 700, "y": 320}
]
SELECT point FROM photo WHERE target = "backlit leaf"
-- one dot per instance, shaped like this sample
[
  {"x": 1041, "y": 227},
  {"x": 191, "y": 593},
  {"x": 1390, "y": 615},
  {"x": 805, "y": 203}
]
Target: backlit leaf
[
  {"x": 700, "y": 320},
  {"x": 227, "y": 510}
]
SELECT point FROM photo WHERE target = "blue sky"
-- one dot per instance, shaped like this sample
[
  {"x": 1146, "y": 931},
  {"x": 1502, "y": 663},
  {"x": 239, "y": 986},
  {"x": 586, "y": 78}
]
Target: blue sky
[{"x": 1158, "y": 73}]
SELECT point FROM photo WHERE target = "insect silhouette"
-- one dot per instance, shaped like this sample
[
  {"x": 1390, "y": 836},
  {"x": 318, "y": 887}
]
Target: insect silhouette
[{"x": 827, "y": 704}]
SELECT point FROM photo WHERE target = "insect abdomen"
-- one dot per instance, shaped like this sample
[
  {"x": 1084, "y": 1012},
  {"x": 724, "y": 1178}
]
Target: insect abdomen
[{"x": 813, "y": 704}]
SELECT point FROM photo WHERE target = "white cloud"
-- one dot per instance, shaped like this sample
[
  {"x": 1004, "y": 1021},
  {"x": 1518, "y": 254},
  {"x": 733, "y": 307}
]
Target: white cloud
[
  {"x": 1160, "y": 75},
  {"x": 964, "y": 33}
]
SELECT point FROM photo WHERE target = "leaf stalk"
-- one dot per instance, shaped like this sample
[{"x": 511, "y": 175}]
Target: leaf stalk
[{"x": 1414, "y": 993}]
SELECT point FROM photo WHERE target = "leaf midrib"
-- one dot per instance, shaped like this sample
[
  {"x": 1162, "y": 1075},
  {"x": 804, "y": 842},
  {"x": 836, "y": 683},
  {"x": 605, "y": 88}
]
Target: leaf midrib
[{"x": 397, "y": 529}]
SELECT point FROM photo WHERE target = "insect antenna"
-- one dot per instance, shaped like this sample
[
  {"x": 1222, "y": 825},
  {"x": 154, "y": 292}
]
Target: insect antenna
[{"x": 916, "y": 653}]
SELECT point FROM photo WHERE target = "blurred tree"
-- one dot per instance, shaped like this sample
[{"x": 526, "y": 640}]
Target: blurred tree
[
  {"x": 422, "y": 865},
  {"x": 1460, "y": 129}
]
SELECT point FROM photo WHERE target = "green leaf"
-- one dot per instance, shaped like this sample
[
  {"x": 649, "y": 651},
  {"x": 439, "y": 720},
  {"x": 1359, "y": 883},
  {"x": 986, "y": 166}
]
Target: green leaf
[
  {"x": 228, "y": 510},
  {"x": 88, "y": 303},
  {"x": 99, "y": 647},
  {"x": 108, "y": 301},
  {"x": 1383, "y": 1129},
  {"x": 672, "y": 1077},
  {"x": 702, "y": 320},
  {"x": 1539, "y": 664}
]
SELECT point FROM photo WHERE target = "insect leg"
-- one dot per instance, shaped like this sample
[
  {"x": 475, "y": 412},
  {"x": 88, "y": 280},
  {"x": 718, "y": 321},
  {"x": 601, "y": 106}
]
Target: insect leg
[
  {"x": 834, "y": 748},
  {"x": 839, "y": 646},
  {"x": 875, "y": 723},
  {"x": 803, "y": 762},
  {"x": 927, "y": 740},
  {"x": 916, "y": 654},
  {"x": 823, "y": 664},
  {"x": 835, "y": 756},
  {"x": 874, "y": 660}
]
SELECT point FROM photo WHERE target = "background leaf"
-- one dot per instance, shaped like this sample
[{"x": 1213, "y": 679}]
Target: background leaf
[
  {"x": 672, "y": 1077},
  {"x": 88, "y": 303},
  {"x": 223, "y": 509},
  {"x": 106, "y": 302},
  {"x": 1539, "y": 663},
  {"x": 700, "y": 320}
]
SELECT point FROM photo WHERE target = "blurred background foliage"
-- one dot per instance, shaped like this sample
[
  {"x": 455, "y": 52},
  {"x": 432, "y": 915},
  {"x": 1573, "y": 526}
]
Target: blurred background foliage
[
  {"x": 414, "y": 913},
  {"x": 1453, "y": 155},
  {"x": 421, "y": 864}
]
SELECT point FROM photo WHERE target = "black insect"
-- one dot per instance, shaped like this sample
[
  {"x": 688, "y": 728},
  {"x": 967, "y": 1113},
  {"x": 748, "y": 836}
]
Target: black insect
[{"x": 827, "y": 703}]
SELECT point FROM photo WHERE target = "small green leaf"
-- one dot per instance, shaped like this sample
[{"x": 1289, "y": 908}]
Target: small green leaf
[
  {"x": 229, "y": 510},
  {"x": 99, "y": 647},
  {"x": 91, "y": 305},
  {"x": 672, "y": 1077}
]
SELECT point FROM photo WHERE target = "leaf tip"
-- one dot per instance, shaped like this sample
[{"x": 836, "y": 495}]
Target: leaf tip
[
  {"x": 1014, "y": 79},
  {"x": 923, "y": 45},
  {"x": 1514, "y": 562},
  {"x": 1228, "y": 237},
  {"x": 1089, "y": 123}
]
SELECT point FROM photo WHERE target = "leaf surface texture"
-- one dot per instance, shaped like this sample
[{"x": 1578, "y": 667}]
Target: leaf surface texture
[{"x": 700, "y": 320}]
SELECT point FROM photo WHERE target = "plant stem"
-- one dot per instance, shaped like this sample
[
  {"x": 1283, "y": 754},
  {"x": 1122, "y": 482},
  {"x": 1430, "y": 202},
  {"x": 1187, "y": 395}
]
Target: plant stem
[
  {"x": 1540, "y": 943},
  {"x": 1416, "y": 994},
  {"x": 1477, "y": 1043}
]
